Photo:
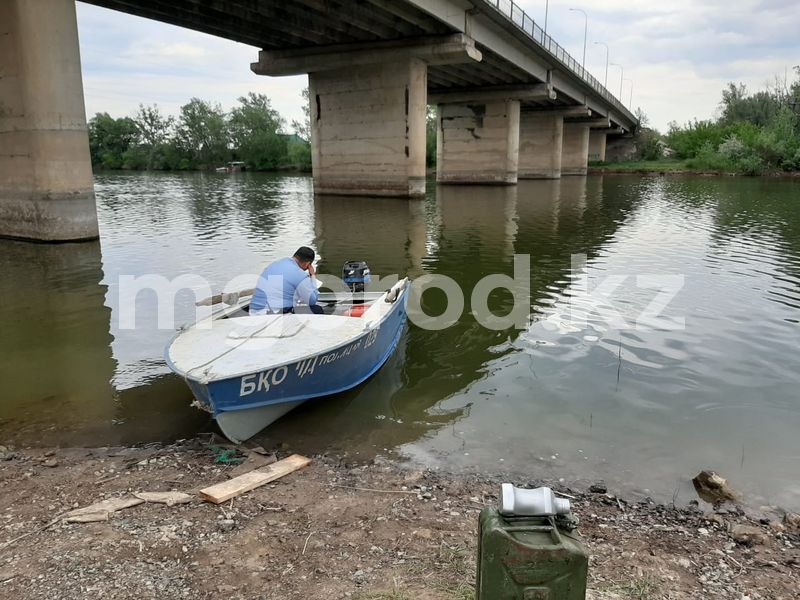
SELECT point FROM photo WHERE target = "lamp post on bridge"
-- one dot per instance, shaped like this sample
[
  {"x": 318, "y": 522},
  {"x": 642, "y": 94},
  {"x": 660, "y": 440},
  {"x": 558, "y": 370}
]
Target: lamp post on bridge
[
  {"x": 630, "y": 98},
  {"x": 585, "y": 31},
  {"x": 546, "y": 10},
  {"x": 605, "y": 81},
  {"x": 621, "y": 73}
]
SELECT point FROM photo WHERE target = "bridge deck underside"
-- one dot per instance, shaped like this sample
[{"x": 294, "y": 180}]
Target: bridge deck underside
[
  {"x": 278, "y": 24},
  {"x": 274, "y": 24}
]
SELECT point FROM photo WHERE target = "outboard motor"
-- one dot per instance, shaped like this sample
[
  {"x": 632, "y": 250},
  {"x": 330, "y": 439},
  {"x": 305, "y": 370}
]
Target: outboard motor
[{"x": 355, "y": 275}]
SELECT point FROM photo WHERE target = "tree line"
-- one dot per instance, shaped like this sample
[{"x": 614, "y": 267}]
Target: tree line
[
  {"x": 753, "y": 133},
  {"x": 201, "y": 136}
]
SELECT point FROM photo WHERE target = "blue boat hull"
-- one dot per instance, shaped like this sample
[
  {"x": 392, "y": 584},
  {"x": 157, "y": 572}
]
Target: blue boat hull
[{"x": 245, "y": 404}]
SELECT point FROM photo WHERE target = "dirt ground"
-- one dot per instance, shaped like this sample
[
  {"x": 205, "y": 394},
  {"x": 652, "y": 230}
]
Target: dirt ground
[{"x": 338, "y": 530}]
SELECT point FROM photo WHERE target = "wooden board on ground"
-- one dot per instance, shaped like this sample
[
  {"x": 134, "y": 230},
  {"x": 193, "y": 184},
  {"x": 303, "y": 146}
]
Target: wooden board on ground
[
  {"x": 249, "y": 481},
  {"x": 99, "y": 511}
]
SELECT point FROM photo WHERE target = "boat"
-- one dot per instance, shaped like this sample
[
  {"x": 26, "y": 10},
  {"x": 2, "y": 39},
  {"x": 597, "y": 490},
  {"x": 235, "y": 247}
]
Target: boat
[
  {"x": 235, "y": 166},
  {"x": 250, "y": 370}
]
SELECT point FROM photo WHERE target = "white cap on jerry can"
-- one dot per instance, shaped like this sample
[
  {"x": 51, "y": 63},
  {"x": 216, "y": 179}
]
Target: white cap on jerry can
[{"x": 541, "y": 502}]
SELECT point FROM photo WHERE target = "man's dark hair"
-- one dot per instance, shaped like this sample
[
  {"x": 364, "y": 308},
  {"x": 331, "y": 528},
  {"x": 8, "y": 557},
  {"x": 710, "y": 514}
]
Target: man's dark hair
[{"x": 305, "y": 254}]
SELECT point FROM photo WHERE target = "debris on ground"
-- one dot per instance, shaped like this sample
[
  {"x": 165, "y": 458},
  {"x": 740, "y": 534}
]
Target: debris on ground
[
  {"x": 100, "y": 511},
  {"x": 168, "y": 498},
  {"x": 347, "y": 530}
]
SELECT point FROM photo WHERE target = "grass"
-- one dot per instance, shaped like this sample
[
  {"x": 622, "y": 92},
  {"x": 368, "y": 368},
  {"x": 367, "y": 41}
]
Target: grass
[
  {"x": 641, "y": 589},
  {"x": 664, "y": 164},
  {"x": 390, "y": 595},
  {"x": 455, "y": 559},
  {"x": 463, "y": 591}
]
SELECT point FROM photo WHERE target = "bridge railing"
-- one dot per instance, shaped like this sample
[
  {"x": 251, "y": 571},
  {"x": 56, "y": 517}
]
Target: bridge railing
[{"x": 520, "y": 18}]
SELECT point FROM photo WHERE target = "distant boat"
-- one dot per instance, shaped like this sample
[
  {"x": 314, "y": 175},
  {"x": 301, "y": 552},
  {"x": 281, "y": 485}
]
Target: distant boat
[
  {"x": 248, "y": 371},
  {"x": 234, "y": 166}
]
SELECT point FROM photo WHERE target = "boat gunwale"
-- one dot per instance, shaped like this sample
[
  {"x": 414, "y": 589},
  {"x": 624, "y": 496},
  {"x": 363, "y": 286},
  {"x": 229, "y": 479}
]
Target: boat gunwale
[
  {"x": 241, "y": 304},
  {"x": 384, "y": 358}
]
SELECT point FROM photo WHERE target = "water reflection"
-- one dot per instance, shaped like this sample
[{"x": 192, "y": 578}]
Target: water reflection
[
  {"x": 56, "y": 360},
  {"x": 389, "y": 233}
]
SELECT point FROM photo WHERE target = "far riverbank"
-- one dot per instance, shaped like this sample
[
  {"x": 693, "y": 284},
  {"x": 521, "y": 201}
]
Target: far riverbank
[{"x": 672, "y": 167}]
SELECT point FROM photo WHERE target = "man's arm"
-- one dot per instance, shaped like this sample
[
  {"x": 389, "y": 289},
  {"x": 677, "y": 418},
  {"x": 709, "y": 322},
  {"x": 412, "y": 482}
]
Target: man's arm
[{"x": 307, "y": 291}]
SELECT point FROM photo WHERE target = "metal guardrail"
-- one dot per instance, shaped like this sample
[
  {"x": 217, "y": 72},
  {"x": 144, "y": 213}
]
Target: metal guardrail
[{"x": 520, "y": 18}]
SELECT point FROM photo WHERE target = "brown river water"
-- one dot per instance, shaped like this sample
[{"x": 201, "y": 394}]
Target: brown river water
[{"x": 587, "y": 390}]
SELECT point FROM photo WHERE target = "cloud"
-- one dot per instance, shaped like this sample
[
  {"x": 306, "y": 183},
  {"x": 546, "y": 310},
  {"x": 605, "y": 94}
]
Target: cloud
[
  {"x": 169, "y": 52},
  {"x": 127, "y": 60},
  {"x": 679, "y": 54}
]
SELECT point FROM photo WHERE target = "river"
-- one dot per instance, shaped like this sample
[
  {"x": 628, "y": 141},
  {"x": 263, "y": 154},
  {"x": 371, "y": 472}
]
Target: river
[{"x": 588, "y": 390}]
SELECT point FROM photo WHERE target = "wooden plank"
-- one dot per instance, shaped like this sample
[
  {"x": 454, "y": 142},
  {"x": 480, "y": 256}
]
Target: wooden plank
[
  {"x": 249, "y": 481},
  {"x": 227, "y": 298}
]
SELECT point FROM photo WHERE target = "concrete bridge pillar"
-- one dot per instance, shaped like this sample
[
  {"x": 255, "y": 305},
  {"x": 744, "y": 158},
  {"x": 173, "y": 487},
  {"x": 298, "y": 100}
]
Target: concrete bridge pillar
[
  {"x": 478, "y": 142},
  {"x": 368, "y": 129},
  {"x": 621, "y": 147},
  {"x": 367, "y": 107},
  {"x": 540, "y": 145},
  {"x": 575, "y": 150},
  {"x": 597, "y": 145},
  {"x": 46, "y": 186}
]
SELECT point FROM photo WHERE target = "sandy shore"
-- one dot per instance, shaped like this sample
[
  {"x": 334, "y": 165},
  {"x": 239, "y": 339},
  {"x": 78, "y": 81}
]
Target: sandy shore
[{"x": 336, "y": 530}]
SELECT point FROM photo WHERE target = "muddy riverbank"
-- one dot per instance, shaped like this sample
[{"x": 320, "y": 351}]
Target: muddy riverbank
[{"x": 341, "y": 530}]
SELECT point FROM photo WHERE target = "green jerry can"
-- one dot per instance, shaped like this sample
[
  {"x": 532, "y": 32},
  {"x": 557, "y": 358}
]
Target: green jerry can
[{"x": 528, "y": 549}]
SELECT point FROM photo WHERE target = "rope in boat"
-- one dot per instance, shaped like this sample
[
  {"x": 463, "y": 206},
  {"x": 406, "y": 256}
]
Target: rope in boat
[
  {"x": 239, "y": 345},
  {"x": 389, "y": 298}
]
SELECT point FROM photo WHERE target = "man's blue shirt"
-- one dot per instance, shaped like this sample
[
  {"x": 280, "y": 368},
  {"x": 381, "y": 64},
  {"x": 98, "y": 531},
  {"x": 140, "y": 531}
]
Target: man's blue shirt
[{"x": 282, "y": 285}]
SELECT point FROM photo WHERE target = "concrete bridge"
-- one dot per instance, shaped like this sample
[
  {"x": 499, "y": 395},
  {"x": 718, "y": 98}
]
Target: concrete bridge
[{"x": 511, "y": 103}]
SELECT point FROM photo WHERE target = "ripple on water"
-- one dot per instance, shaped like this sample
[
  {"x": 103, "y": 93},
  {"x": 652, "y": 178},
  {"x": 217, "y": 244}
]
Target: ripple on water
[{"x": 713, "y": 383}]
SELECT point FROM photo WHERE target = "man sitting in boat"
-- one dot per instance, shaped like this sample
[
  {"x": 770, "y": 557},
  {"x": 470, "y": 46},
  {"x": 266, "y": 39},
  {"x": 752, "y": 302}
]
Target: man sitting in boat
[{"x": 287, "y": 285}]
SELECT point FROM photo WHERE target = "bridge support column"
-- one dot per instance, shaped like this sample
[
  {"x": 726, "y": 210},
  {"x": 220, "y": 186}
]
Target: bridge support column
[
  {"x": 621, "y": 147},
  {"x": 540, "y": 145},
  {"x": 367, "y": 107},
  {"x": 368, "y": 129},
  {"x": 46, "y": 185},
  {"x": 478, "y": 142},
  {"x": 597, "y": 145},
  {"x": 575, "y": 149}
]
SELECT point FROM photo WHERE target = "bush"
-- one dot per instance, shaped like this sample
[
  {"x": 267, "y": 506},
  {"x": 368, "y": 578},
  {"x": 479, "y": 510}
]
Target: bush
[
  {"x": 708, "y": 158},
  {"x": 792, "y": 163},
  {"x": 110, "y": 160},
  {"x": 756, "y": 132},
  {"x": 732, "y": 148},
  {"x": 649, "y": 145},
  {"x": 300, "y": 156},
  {"x": 135, "y": 158},
  {"x": 750, "y": 165}
]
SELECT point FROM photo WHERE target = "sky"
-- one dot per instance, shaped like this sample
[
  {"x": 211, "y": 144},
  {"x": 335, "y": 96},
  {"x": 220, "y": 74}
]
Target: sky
[{"x": 676, "y": 56}]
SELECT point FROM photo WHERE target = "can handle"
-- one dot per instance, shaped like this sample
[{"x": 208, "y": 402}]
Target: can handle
[{"x": 552, "y": 529}]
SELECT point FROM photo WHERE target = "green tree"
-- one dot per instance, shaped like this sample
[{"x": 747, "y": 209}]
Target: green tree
[
  {"x": 648, "y": 140},
  {"x": 201, "y": 134},
  {"x": 431, "y": 122},
  {"x": 110, "y": 138},
  {"x": 255, "y": 129},
  {"x": 738, "y": 106},
  {"x": 303, "y": 128},
  {"x": 154, "y": 133},
  {"x": 300, "y": 155}
]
